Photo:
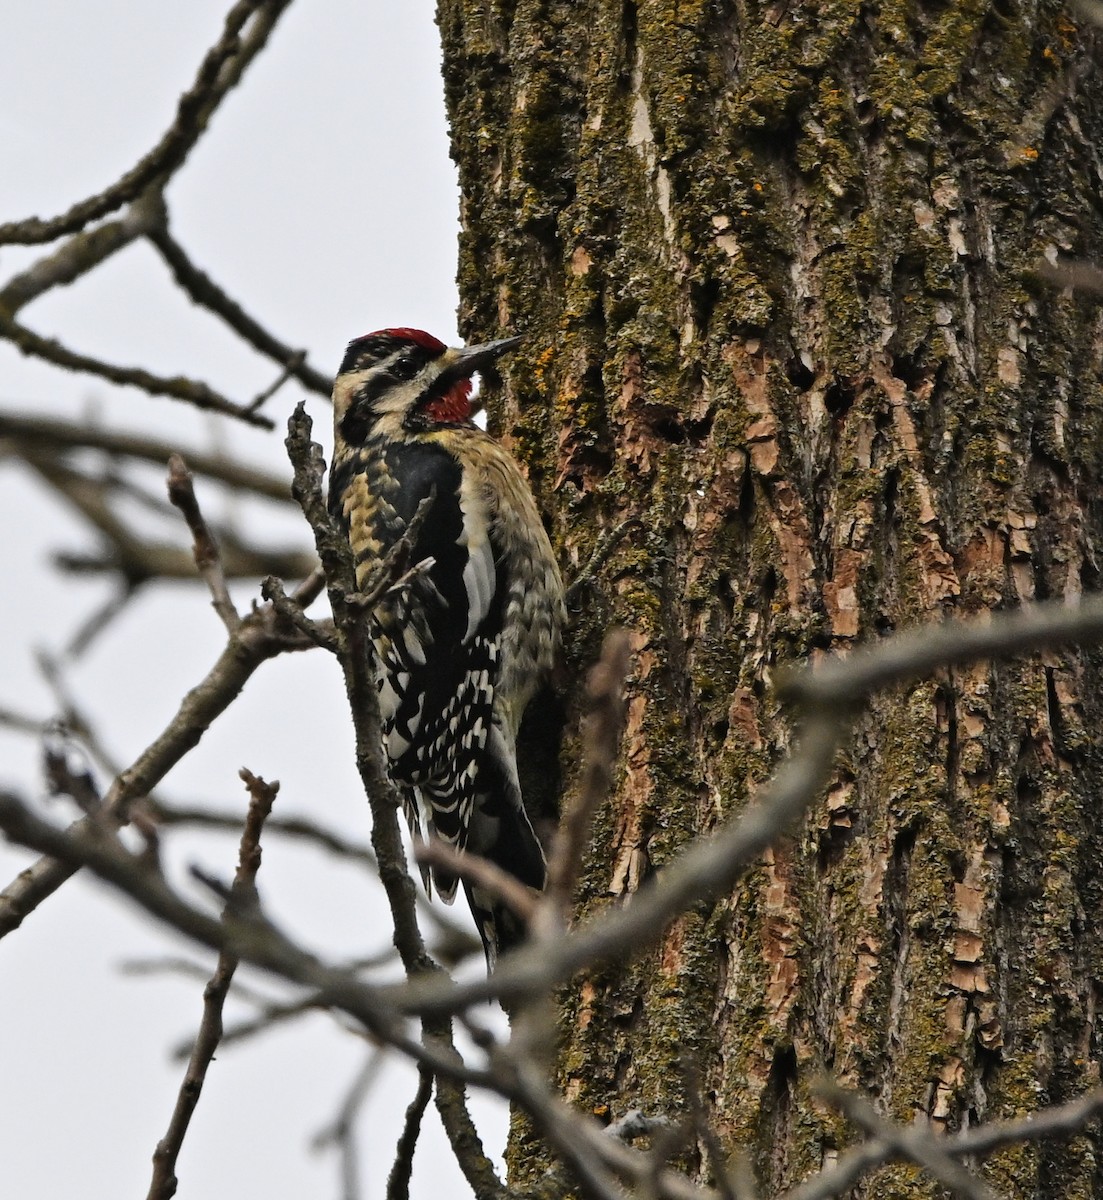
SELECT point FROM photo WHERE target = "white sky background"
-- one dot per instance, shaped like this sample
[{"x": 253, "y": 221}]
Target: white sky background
[{"x": 322, "y": 199}]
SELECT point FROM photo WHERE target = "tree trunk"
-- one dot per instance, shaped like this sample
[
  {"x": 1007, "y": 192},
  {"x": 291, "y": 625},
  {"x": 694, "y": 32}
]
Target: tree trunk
[{"x": 776, "y": 264}]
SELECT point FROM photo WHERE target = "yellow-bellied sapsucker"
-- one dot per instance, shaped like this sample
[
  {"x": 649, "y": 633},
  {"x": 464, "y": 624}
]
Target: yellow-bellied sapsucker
[{"x": 469, "y": 633}]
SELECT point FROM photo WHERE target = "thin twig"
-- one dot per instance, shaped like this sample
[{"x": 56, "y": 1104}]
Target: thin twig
[
  {"x": 220, "y": 70},
  {"x": 205, "y": 292},
  {"x": 290, "y": 367},
  {"x": 31, "y": 430},
  {"x": 320, "y": 633},
  {"x": 162, "y": 1186},
  {"x": 301, "y": 828},
  {"x": 208, "y": 560},
  {"x": 133, "y": 557},
  {"x": 340, "y": 1133},
  {"x": 81, "y": 640},
  {"x": 260, "y": 636},
  {"x": 398, "y": 1181},
  {"x": 914, "y": 1144},
  {"x": 479, "y": 871},
  {"x": 601, "y": 737},
  {"x": 604, "y": 550},
  {"x": 832, "y": 693},
  {"x": 81, "y": 254},
  {"x": 195, "y": 392}
]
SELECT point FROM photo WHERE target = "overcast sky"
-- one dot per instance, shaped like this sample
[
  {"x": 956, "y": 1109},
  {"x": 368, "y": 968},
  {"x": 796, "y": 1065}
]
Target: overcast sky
[{"x": 324, "y": 200}]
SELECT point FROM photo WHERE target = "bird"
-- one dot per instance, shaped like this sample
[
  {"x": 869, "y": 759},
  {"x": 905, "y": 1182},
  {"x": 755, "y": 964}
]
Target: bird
[{"x": 466, "y": 636}]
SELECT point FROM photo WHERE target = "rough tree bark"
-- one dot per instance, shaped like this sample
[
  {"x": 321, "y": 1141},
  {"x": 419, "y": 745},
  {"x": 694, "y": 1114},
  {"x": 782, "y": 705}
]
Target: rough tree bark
[{"x": 775, "y": 263}]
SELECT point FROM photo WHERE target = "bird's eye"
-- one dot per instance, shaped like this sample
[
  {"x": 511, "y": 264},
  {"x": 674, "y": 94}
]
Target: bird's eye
[{"x": 405, "y": 367}]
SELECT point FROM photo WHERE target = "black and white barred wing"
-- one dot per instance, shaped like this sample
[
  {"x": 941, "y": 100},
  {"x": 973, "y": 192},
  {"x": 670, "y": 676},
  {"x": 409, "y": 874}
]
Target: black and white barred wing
[{"x": 437, "y": 635}]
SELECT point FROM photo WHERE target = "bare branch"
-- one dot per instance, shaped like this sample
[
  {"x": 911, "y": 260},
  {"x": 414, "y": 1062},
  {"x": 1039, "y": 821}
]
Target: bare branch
[
  {"x": 601, "y": 737},
  {"x": 916, "y": 1144},
  {"x": 163, "y": 1183},
  {"x": 708, "y": 866},
  {"x": 604, "y": 550},
  {"x": 1080, "y": 276},
  {"x": 260, "y": 636},
  {"x": 479, "y": 871},
  {"x": 848, "y": 680},
  {"x": 341, "y": 1132},
  {"x": 398, "y": 1181},
  {"x": 208, "y": 560},
  {"x": 244, "y": 932},
  {"x": 220, "y": 70},
  {"x": 196, "y": 393},
  {"x": 832, "y": 692},
  {"x": 205, "y": 292},
  {"x": 1060, "y": 1121},
  {"x": 321, "y": 634},
  {"x": 41, "y": 433},
  {"x": 81, "y": 254},
  {"x": 355, "y": 655}
]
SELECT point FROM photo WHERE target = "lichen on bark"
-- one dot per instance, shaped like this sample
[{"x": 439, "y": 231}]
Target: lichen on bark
[{"x": 775, "y": 265}]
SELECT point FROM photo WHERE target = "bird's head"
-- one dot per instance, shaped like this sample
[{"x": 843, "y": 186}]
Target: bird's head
[{"x": 405, "y": 380}]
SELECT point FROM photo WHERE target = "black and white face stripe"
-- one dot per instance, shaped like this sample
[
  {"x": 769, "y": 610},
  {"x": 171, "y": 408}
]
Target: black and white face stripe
[
  {"x": 413, "y": 346},
  {"x": 384, "y": 373}
]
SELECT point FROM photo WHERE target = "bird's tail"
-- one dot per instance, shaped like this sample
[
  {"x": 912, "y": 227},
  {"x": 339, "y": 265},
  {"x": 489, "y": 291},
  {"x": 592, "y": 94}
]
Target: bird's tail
[{"x": 489, "y": 815}]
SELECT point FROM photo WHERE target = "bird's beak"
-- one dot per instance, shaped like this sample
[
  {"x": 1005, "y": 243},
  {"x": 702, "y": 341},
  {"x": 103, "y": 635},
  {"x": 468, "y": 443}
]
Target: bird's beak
[
  {"x": 462, "y": 362},
  {"x": 473, "y": 358}
]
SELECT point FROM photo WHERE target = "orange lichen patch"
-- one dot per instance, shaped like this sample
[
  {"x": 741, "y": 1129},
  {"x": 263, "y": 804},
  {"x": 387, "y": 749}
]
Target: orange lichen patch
[
  {"x": 580, "y": 261},
  {"x": 939, "y": 575},
  {"x": 586, "y": 998},
  {"x": 968, "y": 947},
  {"x": 743, "y": 719},
  {"x": 969, "y": 977},
  {"x": 951, "y": 1078},
  {"x": 671, "y": 954},
  {"x": 794, "y": 536},
  {"x": 629, "y": 851},
  {"x": 1007, "y": 366},
  {"x": 840, "y": 594},
  {"x": 780, "y": 938}
]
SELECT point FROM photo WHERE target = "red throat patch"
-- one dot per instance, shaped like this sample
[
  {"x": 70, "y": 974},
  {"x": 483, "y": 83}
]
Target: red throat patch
[{"x": 454, "y": 406}]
